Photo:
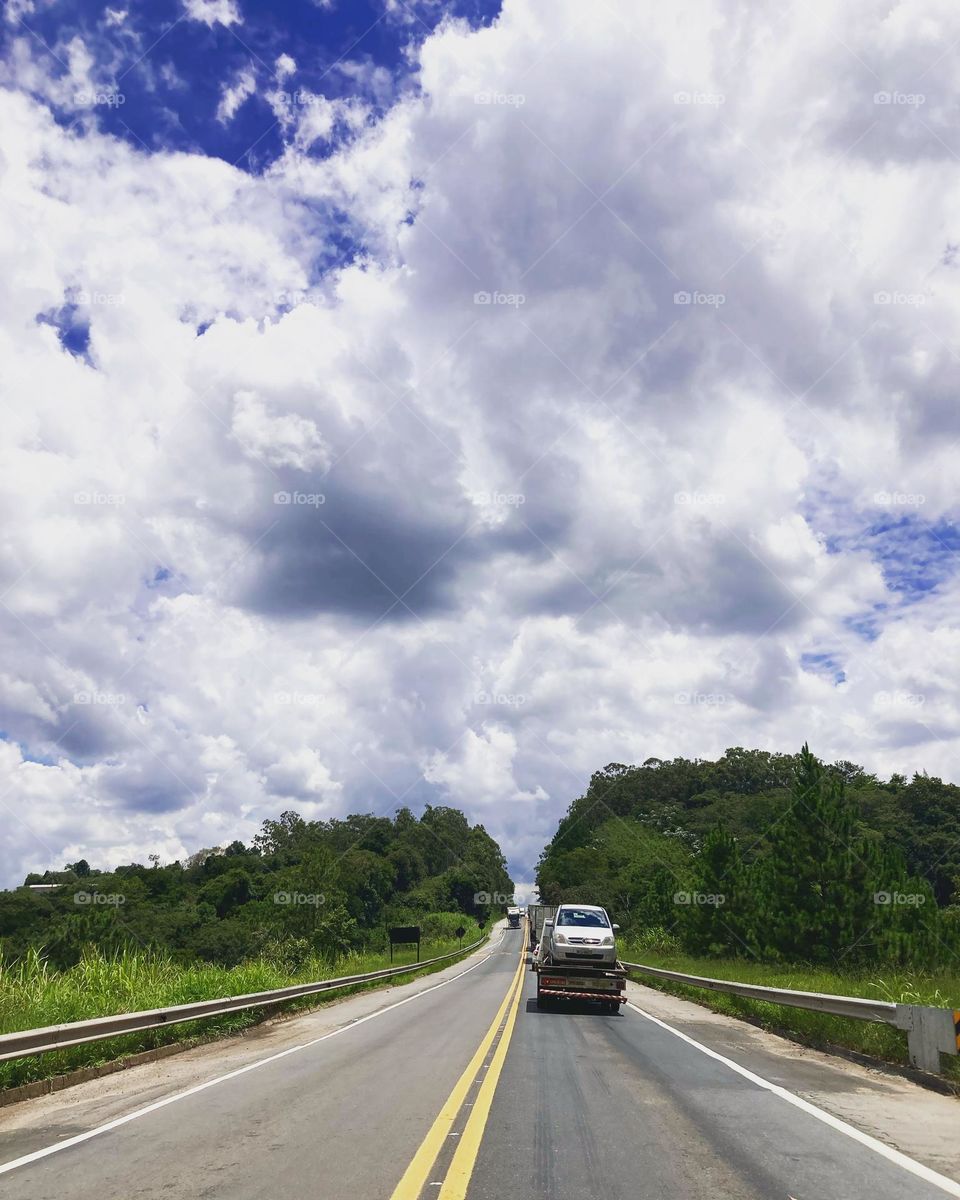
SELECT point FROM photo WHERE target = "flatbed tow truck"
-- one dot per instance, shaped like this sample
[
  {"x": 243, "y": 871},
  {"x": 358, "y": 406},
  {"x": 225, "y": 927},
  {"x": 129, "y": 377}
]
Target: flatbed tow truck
[{"x": 572, "y": 981}]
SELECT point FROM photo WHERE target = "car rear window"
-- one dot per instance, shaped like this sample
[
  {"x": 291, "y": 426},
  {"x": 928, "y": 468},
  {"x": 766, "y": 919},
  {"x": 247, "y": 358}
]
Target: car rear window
[{"x": 579, "y": 916}]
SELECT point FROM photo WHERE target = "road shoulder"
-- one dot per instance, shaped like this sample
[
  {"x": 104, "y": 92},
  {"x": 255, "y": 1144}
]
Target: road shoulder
[{"x": 914, "y": 1120}]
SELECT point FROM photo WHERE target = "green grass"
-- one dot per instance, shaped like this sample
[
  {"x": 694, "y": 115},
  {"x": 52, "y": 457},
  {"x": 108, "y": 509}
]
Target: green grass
[
  {"x": 32, "y": 995},
  {"x": 816, "y": 1029}
]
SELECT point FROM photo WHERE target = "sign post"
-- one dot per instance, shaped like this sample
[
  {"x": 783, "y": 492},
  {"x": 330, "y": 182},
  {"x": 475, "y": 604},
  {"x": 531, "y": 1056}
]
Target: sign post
[
  {"x": 404, "y": 935},
  {"x": 458, "y": 933}
]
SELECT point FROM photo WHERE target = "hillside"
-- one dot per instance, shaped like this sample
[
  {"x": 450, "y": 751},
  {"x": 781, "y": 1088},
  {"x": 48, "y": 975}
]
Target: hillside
[
  {"x": 771, "y": 855},
  {"x": 302, "y": 888}
]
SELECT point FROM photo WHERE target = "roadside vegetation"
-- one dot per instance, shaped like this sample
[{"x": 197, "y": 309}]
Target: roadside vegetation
[
  {"x": 307, "y": 900},
  {"x": 34, "y": 994},
  {"x": 778, "y": 870},
  {"x": 941, "y": 989}
]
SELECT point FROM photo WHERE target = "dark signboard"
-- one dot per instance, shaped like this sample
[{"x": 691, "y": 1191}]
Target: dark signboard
[{"x": 405, "y": 935}]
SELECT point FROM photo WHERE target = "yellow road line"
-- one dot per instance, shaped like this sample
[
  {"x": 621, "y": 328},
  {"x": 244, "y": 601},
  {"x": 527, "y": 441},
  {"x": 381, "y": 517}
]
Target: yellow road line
[
  {"x": 417, "y": 1173},
  {"x": 461, "y": 1168}
]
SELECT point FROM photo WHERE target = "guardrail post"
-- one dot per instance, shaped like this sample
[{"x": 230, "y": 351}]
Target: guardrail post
[{"x": 930, "y": 1033}]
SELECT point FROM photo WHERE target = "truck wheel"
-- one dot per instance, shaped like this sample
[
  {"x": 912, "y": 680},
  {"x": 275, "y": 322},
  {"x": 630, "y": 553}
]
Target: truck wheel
[{"x": 613, "y": 1007}]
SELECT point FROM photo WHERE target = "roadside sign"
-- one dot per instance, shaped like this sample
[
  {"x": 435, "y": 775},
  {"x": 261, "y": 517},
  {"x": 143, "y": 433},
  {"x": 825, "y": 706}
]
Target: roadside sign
[{"x": 405, "y": 935}]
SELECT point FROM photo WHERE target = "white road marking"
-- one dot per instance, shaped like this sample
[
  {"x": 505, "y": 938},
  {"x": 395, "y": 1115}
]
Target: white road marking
[
  {"x": 36, "y": 1155},
  {"x": 950, "y": 1186}
]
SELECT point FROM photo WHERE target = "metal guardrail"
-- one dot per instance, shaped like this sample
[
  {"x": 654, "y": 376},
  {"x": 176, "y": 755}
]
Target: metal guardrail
[
  {"x": 930, "y": 1031},
  {"x": 79, "y": 1033}
]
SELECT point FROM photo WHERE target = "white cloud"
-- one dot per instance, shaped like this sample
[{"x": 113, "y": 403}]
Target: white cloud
[
  {"x": 232, "y": 96},
  {"x": 214, "y": 12},
  {"x": 567, "y": 518}
]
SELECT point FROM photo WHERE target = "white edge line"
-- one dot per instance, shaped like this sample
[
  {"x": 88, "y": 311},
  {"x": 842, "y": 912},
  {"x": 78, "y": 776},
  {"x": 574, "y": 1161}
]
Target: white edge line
[
  {"x": 36, "y": 1155},
  {"x": 950, "y": 1186}
]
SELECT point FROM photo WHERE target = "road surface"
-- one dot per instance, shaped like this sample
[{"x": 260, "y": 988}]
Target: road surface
[{"x": 455, "y": 1087}]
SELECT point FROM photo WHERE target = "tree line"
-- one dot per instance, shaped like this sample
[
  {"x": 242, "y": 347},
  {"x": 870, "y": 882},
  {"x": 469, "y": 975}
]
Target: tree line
[
  {"x": 301, "y": 888},
  {"x": 771, "y": 856}
]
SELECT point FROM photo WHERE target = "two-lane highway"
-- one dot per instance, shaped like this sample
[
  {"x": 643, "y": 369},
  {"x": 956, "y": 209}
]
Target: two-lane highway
[{"x": 459, "y": 1088}]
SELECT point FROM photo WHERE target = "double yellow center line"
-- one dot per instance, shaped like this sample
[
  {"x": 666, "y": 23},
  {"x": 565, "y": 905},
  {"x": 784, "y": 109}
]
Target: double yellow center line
[{"x": 457, "y": 1179}]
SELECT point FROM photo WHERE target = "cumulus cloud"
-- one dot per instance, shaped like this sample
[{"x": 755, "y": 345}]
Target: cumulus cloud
[
  {"x": 626, "y": 430},
  {"x": 214, "y": 12}
]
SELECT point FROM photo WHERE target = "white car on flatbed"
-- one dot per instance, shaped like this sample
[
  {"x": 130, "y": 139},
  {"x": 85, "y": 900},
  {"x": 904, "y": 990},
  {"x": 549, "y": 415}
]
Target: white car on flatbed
[{"x": 582, "y": 933}]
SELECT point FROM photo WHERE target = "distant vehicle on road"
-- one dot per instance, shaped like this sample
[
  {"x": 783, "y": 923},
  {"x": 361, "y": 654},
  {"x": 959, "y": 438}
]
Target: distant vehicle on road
[{"x": 513, "y": 918}]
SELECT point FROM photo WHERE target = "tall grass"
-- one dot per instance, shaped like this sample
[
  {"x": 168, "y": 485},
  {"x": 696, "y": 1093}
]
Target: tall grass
[
  {"x": 940, "y": 989},
  {"x": 33, "y": 995}
]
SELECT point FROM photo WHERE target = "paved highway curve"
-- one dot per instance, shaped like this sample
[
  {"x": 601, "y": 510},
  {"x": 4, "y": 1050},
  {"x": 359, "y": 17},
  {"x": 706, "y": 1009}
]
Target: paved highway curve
[{"x": 466, "y": 1089}]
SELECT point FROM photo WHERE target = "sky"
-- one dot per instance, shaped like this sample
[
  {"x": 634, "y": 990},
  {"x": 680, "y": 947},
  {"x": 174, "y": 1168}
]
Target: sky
[{"x": 413, "y": 402}]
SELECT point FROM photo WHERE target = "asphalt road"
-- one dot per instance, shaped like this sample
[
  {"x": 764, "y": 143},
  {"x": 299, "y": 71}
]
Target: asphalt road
[{"x": 460, "y": 1089}]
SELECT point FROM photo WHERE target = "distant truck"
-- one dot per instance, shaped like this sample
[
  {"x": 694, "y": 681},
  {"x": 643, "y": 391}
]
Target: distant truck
[
  {"x": 513, "y": 918},
  {"x": 575, "y": 955}
]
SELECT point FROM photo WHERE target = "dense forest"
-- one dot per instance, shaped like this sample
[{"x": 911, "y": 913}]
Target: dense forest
[
  {"x": 774, "y": 856},
  {"x": 302, "y": 888}
]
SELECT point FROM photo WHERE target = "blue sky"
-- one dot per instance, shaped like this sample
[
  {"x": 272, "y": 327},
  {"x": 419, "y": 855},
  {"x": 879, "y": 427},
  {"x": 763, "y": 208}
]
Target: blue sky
[
  {"x": 170, "y": 70},
  {"x": 358, "y": 451}
]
